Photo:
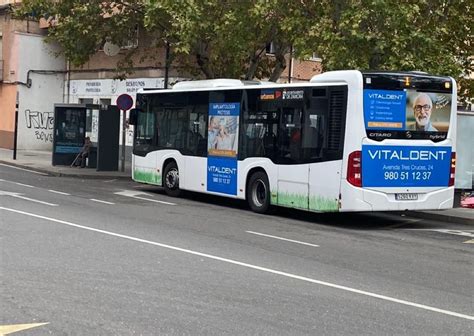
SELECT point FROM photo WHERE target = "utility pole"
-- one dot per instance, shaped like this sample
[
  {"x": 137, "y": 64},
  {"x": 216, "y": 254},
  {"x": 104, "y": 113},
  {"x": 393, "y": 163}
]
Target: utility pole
[
  {"x": 15, "y": 134},
  {"x": 290, "y": 68},
  {"x": 167, "y": 64}
]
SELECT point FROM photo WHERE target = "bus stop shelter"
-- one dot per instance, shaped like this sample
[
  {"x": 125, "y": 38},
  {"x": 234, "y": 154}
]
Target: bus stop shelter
[{"x": 71, "y": 128}]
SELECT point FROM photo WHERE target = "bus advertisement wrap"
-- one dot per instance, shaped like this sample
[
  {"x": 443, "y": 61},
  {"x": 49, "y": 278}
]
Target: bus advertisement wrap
[
  {"x": 385, "y": 109},
  {"x": 405, "y": 166},
  {"x": 222, "y": 175},
  {"x": 407, "y": 110},
  {"x": 222, "y": 147}
]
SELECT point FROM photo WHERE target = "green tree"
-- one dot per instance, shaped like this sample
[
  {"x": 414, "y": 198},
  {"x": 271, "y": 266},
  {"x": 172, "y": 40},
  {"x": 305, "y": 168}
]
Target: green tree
[
  {"x": 433, "y": 36},
  {"x": 227, "y": 38}
]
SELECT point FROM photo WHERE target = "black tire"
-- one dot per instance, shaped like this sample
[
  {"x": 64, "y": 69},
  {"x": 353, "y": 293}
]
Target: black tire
[
  {"x": 258, "y": 193},
  {"x": 171, "y": 179}
]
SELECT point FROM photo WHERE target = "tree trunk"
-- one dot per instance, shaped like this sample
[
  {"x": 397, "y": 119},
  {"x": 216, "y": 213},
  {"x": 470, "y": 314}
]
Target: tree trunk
[
  {"x": 375, "y": 60},
  {"x": 202, "y": 60},
  {"x": 203, "y": 63},
  {"x": 253, "y": 66},
  {"x": 280, "y": 64}
]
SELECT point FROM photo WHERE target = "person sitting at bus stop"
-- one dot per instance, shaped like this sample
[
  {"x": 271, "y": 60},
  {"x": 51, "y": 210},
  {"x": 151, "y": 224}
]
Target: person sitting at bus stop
[
  {"x": 84, "y": 153},
  {"x": 422, "y": 109}
]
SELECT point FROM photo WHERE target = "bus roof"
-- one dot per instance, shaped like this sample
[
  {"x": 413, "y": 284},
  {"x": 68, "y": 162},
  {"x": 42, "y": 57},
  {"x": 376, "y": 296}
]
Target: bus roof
[
  {"x": 337, "y": 77},
  {"x": 210, "y": 83},
  {"x": 226, "y": 84}
]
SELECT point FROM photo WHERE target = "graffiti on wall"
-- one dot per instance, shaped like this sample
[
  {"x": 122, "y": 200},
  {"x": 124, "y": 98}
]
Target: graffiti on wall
[{"x": 42, "y": 123}]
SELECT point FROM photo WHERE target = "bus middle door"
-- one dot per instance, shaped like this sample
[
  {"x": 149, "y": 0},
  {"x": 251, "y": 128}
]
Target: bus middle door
[
  {"x": 293, "y": 173},
  {"x": 324, "y": 169}
]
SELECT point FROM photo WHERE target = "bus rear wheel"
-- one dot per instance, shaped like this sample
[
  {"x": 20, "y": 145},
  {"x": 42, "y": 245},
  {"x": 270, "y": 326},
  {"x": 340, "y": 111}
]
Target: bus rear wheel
[
  {"x": 258, "y": 192},
  {"x": 171, "y": 179}
]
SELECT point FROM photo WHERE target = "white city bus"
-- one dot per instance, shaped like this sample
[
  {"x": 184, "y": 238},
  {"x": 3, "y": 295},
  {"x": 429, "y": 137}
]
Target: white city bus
[{"x": 345, "y": 141}]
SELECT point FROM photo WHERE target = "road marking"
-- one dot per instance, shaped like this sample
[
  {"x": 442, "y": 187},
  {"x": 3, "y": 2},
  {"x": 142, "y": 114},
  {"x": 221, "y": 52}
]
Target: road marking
[
  {"x": 133, "y": 194},
  {"x": 465, "y": 233},
  {"x": 17, "y": 195},
  {"x": 281, "y": 238},
  {"x": 59, "y": 192},
  {"x": 100, "y": 201},
  {"x": 18, "y": 183},
  {"x": 469, "y": 241},
  {"x": 34, "y": 200},
  {"x": 255, "y": 267},
  {"x": 12, "y": 328},
  {"x": 28, "y": 170},
  {"x": 24, "y": 185}
]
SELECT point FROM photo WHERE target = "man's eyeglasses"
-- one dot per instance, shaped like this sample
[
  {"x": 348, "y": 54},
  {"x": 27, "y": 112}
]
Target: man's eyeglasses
[{"x": 425, "y": 107}]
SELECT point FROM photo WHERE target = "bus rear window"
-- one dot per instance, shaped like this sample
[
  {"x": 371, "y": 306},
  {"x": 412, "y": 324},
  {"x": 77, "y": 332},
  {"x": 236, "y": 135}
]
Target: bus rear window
[{"x": 404, "y": 107}]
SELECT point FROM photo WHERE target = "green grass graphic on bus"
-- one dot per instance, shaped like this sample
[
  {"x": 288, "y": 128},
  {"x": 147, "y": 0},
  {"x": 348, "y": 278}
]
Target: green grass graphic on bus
[
  {"x": 314, "y": 203},
  {"x": 147, "y": 176},
  {"x": 319, "y": 203}
]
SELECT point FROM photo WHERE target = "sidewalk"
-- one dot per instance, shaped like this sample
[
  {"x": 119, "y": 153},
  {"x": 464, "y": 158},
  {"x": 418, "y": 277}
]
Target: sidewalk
[
  {"x": 40, "y": 161},
  {"x": 455, "y": 215}
]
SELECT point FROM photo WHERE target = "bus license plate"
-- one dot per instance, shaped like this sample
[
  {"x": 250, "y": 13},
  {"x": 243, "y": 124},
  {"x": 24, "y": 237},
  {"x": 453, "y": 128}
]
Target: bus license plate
[{"x": 406, "y": 197}]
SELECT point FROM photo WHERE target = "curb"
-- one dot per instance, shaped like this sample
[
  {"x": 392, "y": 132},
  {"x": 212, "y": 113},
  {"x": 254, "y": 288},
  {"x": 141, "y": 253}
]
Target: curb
[
  {"x": 440, "y": 217},
  {"x": 61, "y": 174},
  {"x": 14, "y": 164}
]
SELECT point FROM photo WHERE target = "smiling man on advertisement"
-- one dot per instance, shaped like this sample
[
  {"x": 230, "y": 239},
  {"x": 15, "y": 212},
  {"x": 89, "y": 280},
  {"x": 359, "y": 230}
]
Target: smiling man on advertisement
[{"x": 422, "y": 109}]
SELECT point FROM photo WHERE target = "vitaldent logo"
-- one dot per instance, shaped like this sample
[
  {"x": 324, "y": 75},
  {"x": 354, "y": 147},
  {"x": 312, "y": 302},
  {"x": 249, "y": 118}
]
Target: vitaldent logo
[
  {"x": 222, "y": 170},
  {"x": 423, "y": 155},
  {"x": 386, "y": 96}
]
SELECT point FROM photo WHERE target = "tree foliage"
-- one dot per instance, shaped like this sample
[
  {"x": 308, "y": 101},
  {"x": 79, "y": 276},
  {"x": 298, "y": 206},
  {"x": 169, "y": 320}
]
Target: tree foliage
[
  {"x": 227, "y": 38},
  {"x": 434, "y": 36},
  {"x": 81, "y": 27}
]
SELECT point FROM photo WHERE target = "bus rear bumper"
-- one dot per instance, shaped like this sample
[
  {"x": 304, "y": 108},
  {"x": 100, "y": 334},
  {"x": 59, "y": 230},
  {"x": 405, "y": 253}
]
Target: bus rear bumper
[{"x": 359, "y": 199}]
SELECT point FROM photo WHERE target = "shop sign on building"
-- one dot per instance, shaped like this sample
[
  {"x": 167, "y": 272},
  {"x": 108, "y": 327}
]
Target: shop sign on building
[{"x": 112, "y": 87}]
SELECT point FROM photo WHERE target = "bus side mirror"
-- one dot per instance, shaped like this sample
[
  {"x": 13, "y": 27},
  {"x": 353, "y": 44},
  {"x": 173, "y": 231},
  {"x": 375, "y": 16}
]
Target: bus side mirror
[{"x": 133, "y": 116}]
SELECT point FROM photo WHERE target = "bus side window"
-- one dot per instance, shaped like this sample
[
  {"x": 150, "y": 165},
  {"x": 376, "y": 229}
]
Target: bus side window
[
  {"x": 315, "y": 129},
  {"x": 313, "y": 138},
  {"x": 197, "y": 130},
  {"x": 290, "y": 135},
  {"x": 145, "y": 131}
]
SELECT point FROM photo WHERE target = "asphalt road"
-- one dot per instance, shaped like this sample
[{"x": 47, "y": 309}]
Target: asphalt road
[{"x": 112, "y": 257}]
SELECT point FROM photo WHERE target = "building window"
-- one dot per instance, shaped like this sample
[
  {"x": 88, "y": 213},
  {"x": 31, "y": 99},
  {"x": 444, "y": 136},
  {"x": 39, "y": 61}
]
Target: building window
[
  {"x": 270, "y": 48},
  {"x": 104, "y": 103},
  {"x": 314, "y": 57},
  {"x": 132, "y": 42}
]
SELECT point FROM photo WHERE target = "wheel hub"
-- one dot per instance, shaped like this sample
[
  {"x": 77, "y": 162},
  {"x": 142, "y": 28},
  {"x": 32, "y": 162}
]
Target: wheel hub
[
  {"x": 172, "y": 179},
  {"x": 259, "y": 193}
]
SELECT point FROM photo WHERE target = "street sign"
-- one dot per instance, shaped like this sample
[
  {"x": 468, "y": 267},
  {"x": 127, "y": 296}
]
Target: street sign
[{"x": 124, "y": 102}]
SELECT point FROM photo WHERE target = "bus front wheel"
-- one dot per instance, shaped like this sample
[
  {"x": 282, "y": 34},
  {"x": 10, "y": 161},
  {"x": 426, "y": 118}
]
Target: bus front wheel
[
  {"x": 171, "y": 179},
  {"x": 258, "y": 192}
]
